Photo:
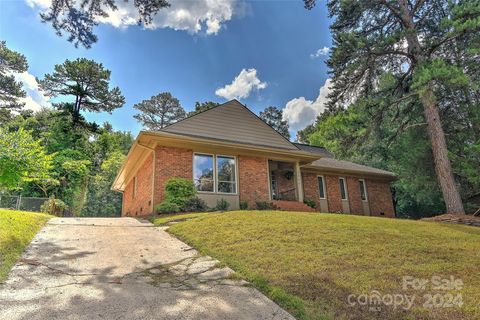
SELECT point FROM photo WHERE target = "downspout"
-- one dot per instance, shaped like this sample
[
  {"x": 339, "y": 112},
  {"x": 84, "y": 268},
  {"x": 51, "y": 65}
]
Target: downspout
[{"x": 154, "y": 164}]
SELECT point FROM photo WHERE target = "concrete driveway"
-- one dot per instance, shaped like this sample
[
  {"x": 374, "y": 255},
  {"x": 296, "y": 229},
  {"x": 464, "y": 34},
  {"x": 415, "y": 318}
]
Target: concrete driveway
[{"x": 122, "y": 268}]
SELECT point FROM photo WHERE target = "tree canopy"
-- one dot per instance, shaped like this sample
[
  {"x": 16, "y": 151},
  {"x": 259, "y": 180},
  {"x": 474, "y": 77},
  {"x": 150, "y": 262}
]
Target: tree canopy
[
  {"x": 10, "y": 89},
  {"x": 22, "y": 159},
  {"x": 87, "y": 82},
  {"x": 418, "y": 59},
  {"x": 202, "y": 106},
  {"x": 159, "y": 111},
  {"x": 78, "y": 17},
  {"x": 274, "y": 118}
]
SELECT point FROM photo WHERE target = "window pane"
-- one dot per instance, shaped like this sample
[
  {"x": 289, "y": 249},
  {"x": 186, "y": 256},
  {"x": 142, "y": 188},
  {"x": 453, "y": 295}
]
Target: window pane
[
  {"x": 204, "y": 185},
  {"x": 226, "y": 174},
  {"x": 226, "y": 187},
  {"x": 203, "y": 172},
  {"x": 226, "y": 169},
  {"x": 342, "y": 189},
  {"x": 363, "y": 194},
  {"x": 320, "y": 187}
]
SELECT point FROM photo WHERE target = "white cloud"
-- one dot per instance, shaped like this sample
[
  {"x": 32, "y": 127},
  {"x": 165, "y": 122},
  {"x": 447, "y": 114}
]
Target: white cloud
[
  {"x": 35, "y": 99},
  {"x": 320, "y": 52},
  {"x": 300, "y": 112},
  {"x": 242, "y": 85},
  {"x": 193, "y": 16}
]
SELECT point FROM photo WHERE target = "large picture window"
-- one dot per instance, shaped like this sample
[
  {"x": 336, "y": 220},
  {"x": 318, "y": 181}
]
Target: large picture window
[
  {"x": 214, "y": 173},
  {"x": 226, "y": 174},
  {"x": 203, "y": 172}
]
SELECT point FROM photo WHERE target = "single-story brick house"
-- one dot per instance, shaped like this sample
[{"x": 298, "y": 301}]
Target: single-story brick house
[{"x": 231, "y": 153}]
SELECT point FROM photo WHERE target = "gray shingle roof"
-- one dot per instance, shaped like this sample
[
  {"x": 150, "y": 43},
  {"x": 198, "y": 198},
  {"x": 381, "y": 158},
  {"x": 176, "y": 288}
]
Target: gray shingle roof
[
  {"x": 348, "y": 167},
  {"x": 314, "y": 149},
  {"x": 231, "y": 121}
]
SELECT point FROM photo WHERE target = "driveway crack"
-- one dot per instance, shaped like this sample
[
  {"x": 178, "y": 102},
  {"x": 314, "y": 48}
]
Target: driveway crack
[{"x": 38, "y": 263}]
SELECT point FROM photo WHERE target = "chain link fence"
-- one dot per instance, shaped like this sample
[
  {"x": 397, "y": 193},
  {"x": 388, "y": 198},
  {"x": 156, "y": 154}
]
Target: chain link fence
[{"x": 21, "y": 203}]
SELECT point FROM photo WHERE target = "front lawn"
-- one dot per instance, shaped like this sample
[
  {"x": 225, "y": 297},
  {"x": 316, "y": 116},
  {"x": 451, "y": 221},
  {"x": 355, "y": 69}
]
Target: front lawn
[
  {"x": 164, "y": 219},
  {"x": 17, "y": 229},
  {"x": 312, "y": 263}
]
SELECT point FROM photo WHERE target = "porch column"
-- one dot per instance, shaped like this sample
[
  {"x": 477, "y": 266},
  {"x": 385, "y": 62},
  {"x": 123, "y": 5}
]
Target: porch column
[{"x": 298, "y": 179}]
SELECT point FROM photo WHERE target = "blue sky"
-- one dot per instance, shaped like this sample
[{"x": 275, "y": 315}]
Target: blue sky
[{"x": 280, "y": 46}]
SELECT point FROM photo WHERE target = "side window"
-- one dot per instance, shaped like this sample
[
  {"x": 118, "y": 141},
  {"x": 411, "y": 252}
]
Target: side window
[
  {"x": 343, "y": 189},
  {"x": 134, "y": 193},
  {"x": 363, "y": 190},
  {"x": 321, "y": 187}
]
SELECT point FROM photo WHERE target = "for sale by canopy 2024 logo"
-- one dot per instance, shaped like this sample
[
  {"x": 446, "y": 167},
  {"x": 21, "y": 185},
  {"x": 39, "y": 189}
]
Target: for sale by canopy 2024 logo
[{"x": 436, "y": 292}]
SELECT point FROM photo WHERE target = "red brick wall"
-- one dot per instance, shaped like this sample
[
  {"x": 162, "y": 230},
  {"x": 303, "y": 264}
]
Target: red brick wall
[
  {"x": 253, "y": 179},
  {"x": 170, "y": 163},
  {"x": 380, "y": 198},
  {"x": 285, "y": 186},
  {"x": 334, "y": 197},
  {"x": 310, "y": 187},
  {"x": 354, "y": 198},
  {"x": 139, "y": 205},
  {"x": 379, "y": 195}
]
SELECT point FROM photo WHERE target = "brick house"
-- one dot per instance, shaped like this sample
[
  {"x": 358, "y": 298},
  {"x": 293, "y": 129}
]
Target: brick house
[{"x": 231, "y": 153}]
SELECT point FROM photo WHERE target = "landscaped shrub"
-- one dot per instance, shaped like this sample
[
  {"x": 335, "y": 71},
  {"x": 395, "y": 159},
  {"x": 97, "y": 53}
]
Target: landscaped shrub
[
  {"x": 311, "y": 203},
  {"x": 166, "y": 206},
  {"x": 54, "y": 206},
  {"x": 222, "y": 205},
  {"x": 263, "y": 205},
  {"x": 179, "y": 190},
  {"x": 195, "y": 204},
  {"x": 243, "y": 205}
]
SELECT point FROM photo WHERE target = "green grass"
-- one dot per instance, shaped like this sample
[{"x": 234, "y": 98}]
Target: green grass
[
  {"x": 17, "y": 229},
  {"x": 310, "y": 263},
  {"x": 164, "y": 219}
]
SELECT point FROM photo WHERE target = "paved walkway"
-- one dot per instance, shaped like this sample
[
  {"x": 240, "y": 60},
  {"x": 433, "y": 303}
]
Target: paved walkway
[{"x": 121, "y": 268}]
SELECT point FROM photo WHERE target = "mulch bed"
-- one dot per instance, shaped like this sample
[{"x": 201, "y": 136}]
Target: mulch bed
[{"x": 456, "y": 218}]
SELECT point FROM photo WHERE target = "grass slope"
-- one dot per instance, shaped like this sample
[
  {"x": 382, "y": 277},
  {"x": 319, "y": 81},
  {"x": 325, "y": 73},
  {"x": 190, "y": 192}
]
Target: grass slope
[
  {"x": 310, "y": 263},
  {"x": 17, "y": 229}
]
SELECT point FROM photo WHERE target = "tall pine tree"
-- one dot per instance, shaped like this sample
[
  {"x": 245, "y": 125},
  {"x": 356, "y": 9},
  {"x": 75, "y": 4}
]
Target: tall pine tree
[{"x": 419, "y": 43}]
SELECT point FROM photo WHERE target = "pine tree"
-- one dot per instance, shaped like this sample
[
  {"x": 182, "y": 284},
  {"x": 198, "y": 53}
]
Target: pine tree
[
  {"x": 10, "y": 89},
  {"x": 274, "y": 118},
  {"x": 87, "y": 82},
  {"x": 418, "y": 43},
  {"x": 159, "y": 111}
]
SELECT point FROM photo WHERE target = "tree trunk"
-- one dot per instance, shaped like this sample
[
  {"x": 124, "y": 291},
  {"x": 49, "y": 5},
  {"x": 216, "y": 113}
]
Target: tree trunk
[{"x": 443, "y": 169}]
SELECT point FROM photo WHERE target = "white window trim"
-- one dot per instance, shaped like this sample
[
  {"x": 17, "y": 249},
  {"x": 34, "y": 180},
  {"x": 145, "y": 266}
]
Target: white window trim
[
  {"x": 364, "y": 188},
  {"x": 345, "y": 187},
  {"x": 215, "y": 180},
  {"x": 324, "y": 187}
]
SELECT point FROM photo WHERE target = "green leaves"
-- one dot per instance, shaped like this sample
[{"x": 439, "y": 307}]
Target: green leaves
[
  {"x": 274, "y": 118},
  {"x": 22, "y": 159},
  {"x": 87, "y": 83},
  {"x": 10, "y": 89},
  {"x": 437, "y": 71},
  {"x": 159, "y": 111}
]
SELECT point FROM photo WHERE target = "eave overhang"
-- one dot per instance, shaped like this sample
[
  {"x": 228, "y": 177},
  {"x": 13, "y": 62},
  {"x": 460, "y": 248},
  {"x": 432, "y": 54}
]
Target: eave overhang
[{"x": 148, "y": 140}]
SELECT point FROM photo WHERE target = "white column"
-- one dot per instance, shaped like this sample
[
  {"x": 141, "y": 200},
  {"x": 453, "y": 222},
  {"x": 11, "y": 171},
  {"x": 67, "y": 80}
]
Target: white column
[{"x": 298, "y": 179}]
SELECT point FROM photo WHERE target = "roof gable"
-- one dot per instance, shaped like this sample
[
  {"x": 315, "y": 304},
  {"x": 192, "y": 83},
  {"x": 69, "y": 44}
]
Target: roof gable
[{"x": 231, "y": 121}]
